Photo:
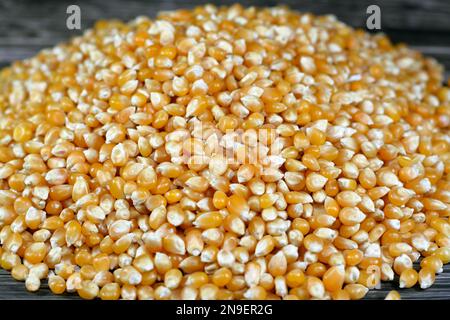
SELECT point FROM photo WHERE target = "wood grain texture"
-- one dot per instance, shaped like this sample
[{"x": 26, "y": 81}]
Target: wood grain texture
[
  {"x": 14, "y": 290},
  {"x": 27, "y": 26}
]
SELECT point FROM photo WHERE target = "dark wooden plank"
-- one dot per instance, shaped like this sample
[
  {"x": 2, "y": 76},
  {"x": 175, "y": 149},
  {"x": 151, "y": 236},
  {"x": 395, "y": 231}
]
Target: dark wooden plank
[
  {"x": 27, "y": 26},
  {"x": 401, "y": 14},
  {"x": 439, "y": 291},
  {"x": 12, "y": 289},
  {"x": 46, "y": 19}
]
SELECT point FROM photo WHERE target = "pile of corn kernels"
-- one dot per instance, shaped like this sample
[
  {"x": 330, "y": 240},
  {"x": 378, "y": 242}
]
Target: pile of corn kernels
[{"x": 224, "y": 153}]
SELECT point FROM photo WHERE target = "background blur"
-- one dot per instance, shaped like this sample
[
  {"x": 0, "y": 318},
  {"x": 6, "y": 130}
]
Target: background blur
[{"x": 26, "y": 26}]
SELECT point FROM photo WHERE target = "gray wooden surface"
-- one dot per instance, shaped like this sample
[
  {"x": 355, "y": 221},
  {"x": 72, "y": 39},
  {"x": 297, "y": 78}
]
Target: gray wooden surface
[
  {"x": 27, "y": 26},
  {"x": 12, "y": 289}
]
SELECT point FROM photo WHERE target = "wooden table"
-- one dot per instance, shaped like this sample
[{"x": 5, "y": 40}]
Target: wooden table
[{"x": 27, "y": 26}]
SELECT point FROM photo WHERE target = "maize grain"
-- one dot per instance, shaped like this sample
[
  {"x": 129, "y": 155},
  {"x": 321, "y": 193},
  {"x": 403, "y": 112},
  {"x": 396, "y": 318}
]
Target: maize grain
[{"x": 224, "y": 153}]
